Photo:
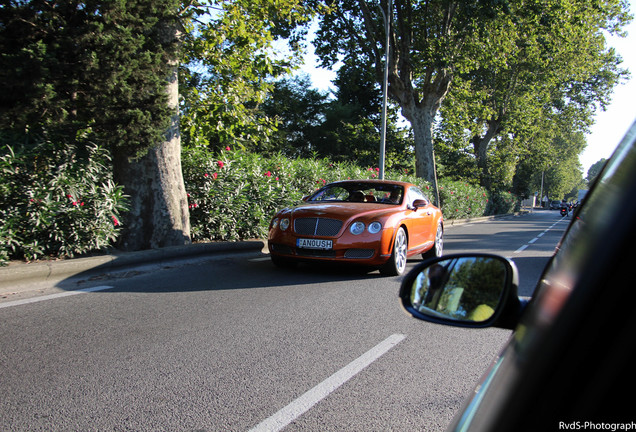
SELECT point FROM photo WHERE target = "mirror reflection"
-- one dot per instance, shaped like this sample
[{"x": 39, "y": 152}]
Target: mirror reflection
[{"x": 464, "y": 289}]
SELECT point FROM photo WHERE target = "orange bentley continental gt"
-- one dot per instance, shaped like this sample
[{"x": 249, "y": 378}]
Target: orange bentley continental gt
[{"x": 376, "y": 223}]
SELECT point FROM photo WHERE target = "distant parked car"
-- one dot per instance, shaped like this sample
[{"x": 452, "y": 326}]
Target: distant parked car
[
  {"x": 555, "y": 205},
  {"x": 376, "y": 223}
]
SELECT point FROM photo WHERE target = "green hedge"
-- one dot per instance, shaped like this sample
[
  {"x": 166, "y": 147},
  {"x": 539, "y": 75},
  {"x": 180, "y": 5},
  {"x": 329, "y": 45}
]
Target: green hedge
[
  {"x": 57, "y": 202},
  {"x": 233, "y": 195}
]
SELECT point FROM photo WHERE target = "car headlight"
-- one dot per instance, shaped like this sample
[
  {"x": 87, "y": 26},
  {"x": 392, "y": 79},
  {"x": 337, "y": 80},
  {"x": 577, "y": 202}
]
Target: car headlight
[
  {"x": 284, "y": 224},
  {"x": 375, "y": 227},
  {"x": 274, "y": 223},
  {"x": 357, "y": 228}
]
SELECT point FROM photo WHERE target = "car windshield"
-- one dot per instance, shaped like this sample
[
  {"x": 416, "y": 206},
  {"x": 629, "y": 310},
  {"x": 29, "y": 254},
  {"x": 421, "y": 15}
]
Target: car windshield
[{"x": 360, "y": 192}]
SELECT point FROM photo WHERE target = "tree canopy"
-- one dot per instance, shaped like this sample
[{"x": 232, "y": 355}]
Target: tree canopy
[
  {"x": 500, "y": 71},
  {"x": 500, "y": 89}
]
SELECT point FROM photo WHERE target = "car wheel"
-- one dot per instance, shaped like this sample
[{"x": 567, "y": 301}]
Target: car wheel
[
  {"x": 397, "y": 263},
  {"x": 438, "y": 247}
]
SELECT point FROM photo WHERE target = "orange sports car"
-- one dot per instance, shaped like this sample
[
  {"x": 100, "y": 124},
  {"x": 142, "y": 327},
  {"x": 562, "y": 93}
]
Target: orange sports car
[{"x": 376, "y": 223}]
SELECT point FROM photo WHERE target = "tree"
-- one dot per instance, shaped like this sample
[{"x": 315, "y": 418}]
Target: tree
[
  {"x": 82, "y": 72},
  {"x": 299, "y": 111},
  {"x": 431, "y": 41},
  {"x": 554, "y": 64},
  {"x": 233, "y": 52}
]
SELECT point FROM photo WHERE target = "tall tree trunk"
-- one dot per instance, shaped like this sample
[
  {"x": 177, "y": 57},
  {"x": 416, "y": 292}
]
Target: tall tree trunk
[
  {"x": 421, "y": 114},
  {"x": 480, "y": 146},
  {"x": 158, "y": 213}
]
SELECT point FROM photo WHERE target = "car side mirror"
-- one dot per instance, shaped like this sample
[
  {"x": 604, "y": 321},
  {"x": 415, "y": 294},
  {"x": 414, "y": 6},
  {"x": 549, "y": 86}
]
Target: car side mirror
[
  {"x": 466, "y": 290},
  {"x": 420, "y": 203}
]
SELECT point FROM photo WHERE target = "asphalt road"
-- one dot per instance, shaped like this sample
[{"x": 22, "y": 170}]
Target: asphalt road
[{"x": 232, "y": 343}]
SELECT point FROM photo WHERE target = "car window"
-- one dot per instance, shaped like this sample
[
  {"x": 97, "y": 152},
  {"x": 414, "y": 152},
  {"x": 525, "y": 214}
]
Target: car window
[
  {"x": 415, "y": 193},
  {"x": 391, "y": 194}
]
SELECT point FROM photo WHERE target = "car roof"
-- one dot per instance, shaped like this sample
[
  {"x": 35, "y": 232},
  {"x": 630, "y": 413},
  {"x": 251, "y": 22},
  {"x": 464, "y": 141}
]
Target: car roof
[{"x": 372, "y": 181}]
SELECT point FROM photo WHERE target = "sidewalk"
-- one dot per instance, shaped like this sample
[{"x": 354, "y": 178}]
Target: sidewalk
[{"x": 15, "y": 275}]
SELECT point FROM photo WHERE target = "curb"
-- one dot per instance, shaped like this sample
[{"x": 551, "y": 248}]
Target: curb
[
  {"x": 24, "y": 273},
  {"x": 59, "y": 270}
]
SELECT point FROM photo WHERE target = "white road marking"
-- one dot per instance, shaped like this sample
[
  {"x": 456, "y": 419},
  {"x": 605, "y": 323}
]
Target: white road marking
[
  {"x": 53, "y": 296},
  {"x": 525, "y": 246},
  {"x": 305, "y": 402},
  {"x": 259, "y": 259}
]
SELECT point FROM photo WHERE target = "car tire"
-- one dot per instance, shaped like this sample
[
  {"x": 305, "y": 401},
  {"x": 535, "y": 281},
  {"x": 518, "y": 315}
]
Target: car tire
[
  {"x": 438, "y": 247},
  {"x": 397, "y": 263}
]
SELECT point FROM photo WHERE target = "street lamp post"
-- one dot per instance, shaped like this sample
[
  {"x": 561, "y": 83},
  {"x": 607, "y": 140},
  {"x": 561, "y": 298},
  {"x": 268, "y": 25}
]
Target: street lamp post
[{"x": 387, "y": 27}]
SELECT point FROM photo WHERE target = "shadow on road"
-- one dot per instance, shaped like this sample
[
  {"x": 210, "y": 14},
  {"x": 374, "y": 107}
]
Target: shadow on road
[{"x": 240, "y": 271}]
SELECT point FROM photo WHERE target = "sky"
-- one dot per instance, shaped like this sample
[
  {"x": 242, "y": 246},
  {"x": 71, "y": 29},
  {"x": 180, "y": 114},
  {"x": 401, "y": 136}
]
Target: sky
[{"x": 610, "y": 125}]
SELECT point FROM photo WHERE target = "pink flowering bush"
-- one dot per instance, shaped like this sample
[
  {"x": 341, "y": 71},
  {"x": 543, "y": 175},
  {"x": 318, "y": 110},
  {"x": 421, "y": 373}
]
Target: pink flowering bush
[
  {"x": 461, "y": 200},
  {"x": 56, "y": 203},
  {"x": 233, "y": 195}
]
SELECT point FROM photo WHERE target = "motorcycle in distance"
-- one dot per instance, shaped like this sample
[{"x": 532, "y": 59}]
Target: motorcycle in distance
[{"x": 565, "y": 209}]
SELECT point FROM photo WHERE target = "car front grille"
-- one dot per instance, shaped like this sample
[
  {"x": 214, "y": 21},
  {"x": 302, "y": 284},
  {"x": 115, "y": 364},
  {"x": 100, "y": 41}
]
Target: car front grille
[
  {"x": 317, "y": 226},
  {"x": 316, "y": 253}
]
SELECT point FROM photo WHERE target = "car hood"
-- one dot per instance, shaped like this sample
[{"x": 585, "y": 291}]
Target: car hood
[{"x": 343, "y": 211}]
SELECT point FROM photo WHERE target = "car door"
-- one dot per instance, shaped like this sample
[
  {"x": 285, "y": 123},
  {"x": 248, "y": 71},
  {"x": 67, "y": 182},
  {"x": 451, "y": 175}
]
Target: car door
[{"x": 419, "y": 221}]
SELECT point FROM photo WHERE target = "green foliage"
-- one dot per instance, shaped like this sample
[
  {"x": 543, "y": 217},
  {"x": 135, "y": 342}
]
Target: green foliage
[
  {"x": 561, "y": 42},
  {"x": 502, "y": 202},
  {"x": 57, "y": 200},
  {"x": 61, "y": 201},
  {"x": 233, "y": 195},
  {"x": 462, "y": 200},
  {"x": 74, "y": 67},
  {"x": 229, "y": 60}
]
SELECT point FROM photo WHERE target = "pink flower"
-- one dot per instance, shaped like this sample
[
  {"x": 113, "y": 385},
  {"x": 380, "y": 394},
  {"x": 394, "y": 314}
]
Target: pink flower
[
  {"x": 205, "y": 175},
  {"x": 268, "y": 174},
  {"x": 115, "y": 221},
  {"x": 214, "y": 175},
  {"x": 227, "y": 148},
  {"x": 220, "y": 164}
]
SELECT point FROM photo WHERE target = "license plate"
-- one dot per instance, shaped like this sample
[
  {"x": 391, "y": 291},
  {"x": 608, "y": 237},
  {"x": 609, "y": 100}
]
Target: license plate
[{"x": 314, "y": 244}]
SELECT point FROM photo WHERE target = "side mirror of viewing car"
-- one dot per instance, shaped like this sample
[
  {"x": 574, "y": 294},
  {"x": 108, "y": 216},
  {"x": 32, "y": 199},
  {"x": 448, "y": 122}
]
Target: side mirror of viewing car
[{"x": 465, "y": 290}]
